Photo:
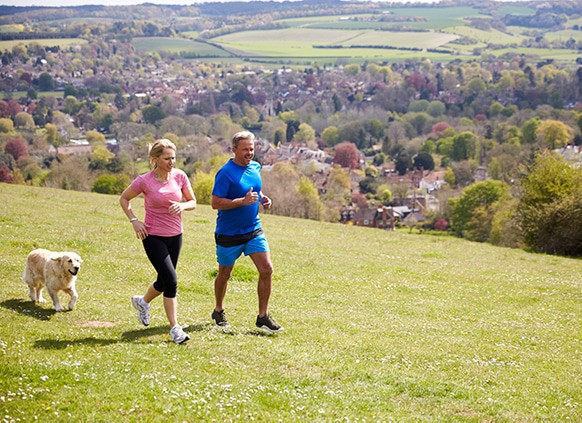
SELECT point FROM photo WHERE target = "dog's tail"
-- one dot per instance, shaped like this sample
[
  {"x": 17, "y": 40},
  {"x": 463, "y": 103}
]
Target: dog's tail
[{"x": 26, "y": 275}]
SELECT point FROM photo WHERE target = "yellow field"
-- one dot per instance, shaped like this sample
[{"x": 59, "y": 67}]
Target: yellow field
[
  {"x": 493, "y": 36},
  {"x": 62, "y": 42},
  {"x": 294, "y": 42}
]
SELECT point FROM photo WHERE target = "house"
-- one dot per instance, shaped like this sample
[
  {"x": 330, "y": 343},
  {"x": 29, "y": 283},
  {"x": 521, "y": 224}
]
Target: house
[{"x": 72, "y": 150}]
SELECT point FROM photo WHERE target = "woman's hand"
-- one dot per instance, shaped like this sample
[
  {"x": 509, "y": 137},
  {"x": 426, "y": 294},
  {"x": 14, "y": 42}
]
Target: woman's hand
[
  {"x": 140, "y": 229},
  {"x": 175, "y": 207}
]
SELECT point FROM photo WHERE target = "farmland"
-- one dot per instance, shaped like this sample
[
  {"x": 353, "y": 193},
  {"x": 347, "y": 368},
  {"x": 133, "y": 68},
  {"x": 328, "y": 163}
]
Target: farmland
[{"x": 427, "y": 28}]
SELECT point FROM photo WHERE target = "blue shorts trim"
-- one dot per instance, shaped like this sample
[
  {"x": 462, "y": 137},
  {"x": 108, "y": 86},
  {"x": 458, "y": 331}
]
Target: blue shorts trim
[{"x": 226, "y": 256}]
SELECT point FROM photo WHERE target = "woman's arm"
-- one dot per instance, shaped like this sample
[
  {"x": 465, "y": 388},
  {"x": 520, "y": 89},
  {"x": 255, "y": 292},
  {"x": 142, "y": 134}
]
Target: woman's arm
[{"x": 124, "y": 201}]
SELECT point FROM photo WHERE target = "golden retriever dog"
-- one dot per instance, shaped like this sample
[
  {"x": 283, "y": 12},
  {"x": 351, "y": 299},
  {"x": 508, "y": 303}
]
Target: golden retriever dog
[{"x": 56, "y": 271}]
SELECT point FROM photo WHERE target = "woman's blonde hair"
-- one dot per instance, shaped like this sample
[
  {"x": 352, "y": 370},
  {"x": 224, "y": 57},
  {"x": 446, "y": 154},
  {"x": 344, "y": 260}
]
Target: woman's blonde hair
[{"x": 157, "y": 149}]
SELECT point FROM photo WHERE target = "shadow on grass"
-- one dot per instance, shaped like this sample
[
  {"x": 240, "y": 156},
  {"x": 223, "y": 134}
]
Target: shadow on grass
[
  {"x": 259, "y": 332},
  {"x": 61, "y": 344},
  {"x": 130, "y": 336},
  {"x": 28, "y": 308}
]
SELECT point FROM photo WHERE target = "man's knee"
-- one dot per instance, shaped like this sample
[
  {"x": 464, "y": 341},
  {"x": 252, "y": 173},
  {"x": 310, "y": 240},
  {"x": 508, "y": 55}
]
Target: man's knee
[
  {"x": 224, "y": 272},
  {"x": 265, "y": 269}
]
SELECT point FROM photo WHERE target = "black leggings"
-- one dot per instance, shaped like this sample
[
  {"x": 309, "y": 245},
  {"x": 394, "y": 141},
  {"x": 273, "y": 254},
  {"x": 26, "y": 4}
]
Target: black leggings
[{"x": 163, "y": 252}]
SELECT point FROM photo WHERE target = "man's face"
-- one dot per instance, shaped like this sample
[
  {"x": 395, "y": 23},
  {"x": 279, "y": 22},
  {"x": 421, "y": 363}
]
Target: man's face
[{"x": 244, "y": 152}]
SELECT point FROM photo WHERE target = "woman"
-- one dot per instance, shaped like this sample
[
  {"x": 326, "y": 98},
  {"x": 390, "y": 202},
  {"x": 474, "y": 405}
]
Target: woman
[{"x": 161, "y": 232}]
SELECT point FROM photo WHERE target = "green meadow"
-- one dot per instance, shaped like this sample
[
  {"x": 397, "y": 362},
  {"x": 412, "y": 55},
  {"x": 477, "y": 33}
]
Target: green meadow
[
  {"x": 39, "y": 94},
  {"x": 379, "y": 325},
  {"x": 439, "y": 28},
  {"x": 177, "y": 45}
]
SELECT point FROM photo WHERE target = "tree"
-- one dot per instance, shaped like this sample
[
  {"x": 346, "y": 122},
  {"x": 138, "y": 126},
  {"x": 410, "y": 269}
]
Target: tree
[
  {"x": 475, "y": 87},
  {"x": 5, "y": 175},
  {"x": 550, "y": 208},
  {"x": 6, "y": 126},
  {"x": 277, "y": 184},
  {"x": 403, "y": 162},
  {"x": 16, "y": 148},
  {"x": 463, "y": 147},
  {"x": 95, "y": 138},
  {"x": 70, "y": 174},
  {"x": 384, "y": 194},
  {"x": 202, "y": 187},
  {"x": 339, "y": 184},
  {"x": 330, "y": 136},
  {"x": 529, "y": 130},
  {"x": 306, "y": 134},
  {"x": 436, "y": 108},
  {"x": 472, "y": 213},
  {"x": 421, "y": 122},
  {"x": 292, "y": 128},
  {"x": 23, "y": 120},
  {"x": 312, "y": 205},
  {"x": 100, "y": 158},
  {"x": 347, "y": 155},
  {"x": 110, "y": 184},
  {"x": 553, "y": 134},
  {"x": 46, "y": 82},
  {"x": 152, "y": 114},
  {"x": 423, "y": 161}
]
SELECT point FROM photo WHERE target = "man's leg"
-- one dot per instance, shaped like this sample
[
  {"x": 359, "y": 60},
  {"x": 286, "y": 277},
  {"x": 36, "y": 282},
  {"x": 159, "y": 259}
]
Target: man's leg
[
  {"x": 220, "y": 285},
  {"x": 265, "y": 267}
]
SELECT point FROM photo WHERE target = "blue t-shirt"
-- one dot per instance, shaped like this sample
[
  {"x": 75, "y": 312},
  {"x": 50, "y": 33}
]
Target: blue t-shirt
[{"x": 234, "y": 181}]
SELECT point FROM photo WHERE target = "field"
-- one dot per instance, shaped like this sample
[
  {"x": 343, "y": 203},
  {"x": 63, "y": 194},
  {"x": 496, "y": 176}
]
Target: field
[
  {"x": 439, "y": 28},
  {"x": 379, "y": 326},
  {"x": 49, "y": 42},
  {"x": 40, "y": 94},
  {"x": 177, "y": 45}
]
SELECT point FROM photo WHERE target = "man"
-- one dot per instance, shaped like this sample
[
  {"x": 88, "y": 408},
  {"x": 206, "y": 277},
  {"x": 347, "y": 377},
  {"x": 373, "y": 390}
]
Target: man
[{"x": 236, "y": 195}]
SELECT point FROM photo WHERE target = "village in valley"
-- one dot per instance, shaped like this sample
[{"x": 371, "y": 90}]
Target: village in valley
[{"x": 384, "y": 144}]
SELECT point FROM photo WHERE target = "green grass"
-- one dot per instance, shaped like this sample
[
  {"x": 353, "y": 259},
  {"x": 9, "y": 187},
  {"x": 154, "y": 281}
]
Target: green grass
[
  {"x": 379, "y": 326},
  {"x": 297, "y": 43},
  {"x": 39, "y": 94},
  {"x": 177, "y": 45}
]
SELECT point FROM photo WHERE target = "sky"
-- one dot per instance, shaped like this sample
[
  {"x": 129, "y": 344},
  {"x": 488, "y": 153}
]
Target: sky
[{"x": 133, "y": 2}]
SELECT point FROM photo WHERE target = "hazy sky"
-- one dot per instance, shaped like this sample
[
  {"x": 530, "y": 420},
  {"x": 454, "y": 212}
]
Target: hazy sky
[{"x": 131, "y": 2}]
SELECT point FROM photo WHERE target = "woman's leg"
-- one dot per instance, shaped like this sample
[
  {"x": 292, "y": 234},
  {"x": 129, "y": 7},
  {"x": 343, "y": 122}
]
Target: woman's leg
[{"x": 163, "y": 253}]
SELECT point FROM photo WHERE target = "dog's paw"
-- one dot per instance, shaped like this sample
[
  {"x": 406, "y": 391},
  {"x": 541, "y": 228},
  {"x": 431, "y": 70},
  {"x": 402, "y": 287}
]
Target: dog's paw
[{"x": 59, "y": 308}]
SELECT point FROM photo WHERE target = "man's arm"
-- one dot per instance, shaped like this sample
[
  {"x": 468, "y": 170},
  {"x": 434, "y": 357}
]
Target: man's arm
[{"x": 221, "y": 203}]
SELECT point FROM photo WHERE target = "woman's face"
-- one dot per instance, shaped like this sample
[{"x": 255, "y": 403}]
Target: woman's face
[{"x": 167, "y": 160}]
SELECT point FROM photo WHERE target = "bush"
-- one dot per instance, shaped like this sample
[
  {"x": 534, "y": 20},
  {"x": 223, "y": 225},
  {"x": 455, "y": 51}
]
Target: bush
[
  {"x": 473, "y": 212},
  {"x": 550, "y": 209},
  {"x": 110, "y": 184}
]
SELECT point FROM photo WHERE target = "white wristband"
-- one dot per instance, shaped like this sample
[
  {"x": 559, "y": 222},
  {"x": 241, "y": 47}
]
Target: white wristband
[{"x": 133, "y": 219}]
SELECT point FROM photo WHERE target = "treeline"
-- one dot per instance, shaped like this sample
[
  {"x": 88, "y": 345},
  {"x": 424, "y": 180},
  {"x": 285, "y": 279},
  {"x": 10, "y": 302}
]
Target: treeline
[
  {"x": 7, "y": 36},
  {"x": 384, "y": 47}
]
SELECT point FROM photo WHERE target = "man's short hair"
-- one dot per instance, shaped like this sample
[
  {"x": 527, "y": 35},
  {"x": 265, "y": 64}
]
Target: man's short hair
[{"x": 242, "y": 135}]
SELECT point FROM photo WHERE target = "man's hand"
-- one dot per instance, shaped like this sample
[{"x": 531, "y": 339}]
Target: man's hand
[
  {"x": 251, "y": 197},
  {"x": 266, "y": 201}
]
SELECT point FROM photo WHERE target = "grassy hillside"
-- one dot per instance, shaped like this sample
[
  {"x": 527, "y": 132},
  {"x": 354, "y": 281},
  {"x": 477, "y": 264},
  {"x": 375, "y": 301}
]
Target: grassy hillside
[
  {"x": 177, "y": 45},
  {"x": 379, "y": 326}
]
